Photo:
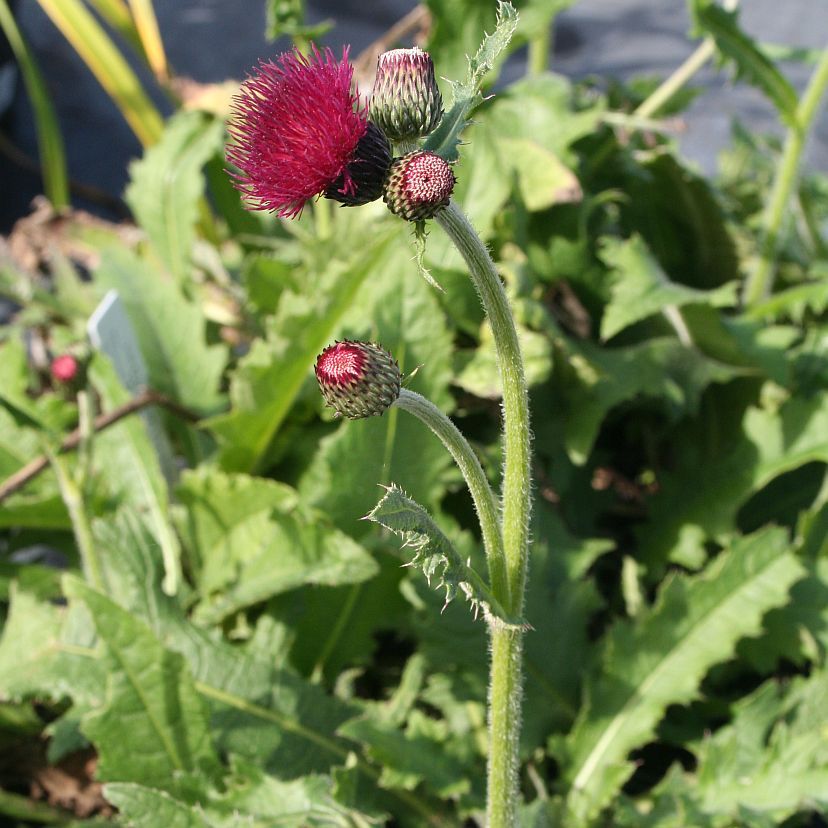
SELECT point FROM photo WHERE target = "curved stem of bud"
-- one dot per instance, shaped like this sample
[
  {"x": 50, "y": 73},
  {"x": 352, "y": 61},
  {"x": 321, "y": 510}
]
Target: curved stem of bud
[
  {"x": 463, "y": 454},
  {"x": 505, "y": 687}
]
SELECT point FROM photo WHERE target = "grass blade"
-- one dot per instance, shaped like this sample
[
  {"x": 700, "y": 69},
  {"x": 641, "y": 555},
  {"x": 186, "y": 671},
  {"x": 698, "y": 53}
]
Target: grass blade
[
  {"x": 49, "y": 138},
  {"x": 146, "y": 25},
  {"x": 79, "y": 27}
]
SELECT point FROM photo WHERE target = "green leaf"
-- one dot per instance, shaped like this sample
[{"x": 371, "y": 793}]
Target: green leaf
[
  {"x": 167, "y": 184},
  {"x": 144, "y": 807},
  {"x": 466, "y": 94},
  {"x": 409, "y": 758},
  {"x": 433, "y": 552},
  {"x": 751, "y": 64},
  {"x": 255, "y": 541},
  {"x": 47, "y": 653},
  {"x": 661, "y": 658},
  {"x": 605, "y": 377},
  {"x": 772, "y": 758},
  {"x": 641, "y": 288},
  {"x": 399, "y": 311},
  {"x": 152, "y": 726},
  {"x": 710, "y": 480},
  {"x": 171, "y": 330},
  {"x": 133, "y": 472},
  {"x": 269, "y": 377}
]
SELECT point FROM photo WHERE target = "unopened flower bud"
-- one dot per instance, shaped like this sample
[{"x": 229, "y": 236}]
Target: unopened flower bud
[
  {"x": 358, "y": 379},
  {"x": 406, "y": 102},
  {"x": 64, "y": 369},
  {"x": 419, "y": 185}
]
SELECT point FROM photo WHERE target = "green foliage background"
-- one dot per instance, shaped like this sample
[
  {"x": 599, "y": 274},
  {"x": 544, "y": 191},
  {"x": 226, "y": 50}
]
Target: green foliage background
[{"x": 300, "y": 674}]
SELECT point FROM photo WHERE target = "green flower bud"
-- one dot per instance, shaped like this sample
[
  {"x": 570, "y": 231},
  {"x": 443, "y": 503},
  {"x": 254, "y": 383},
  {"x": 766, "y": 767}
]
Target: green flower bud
[
  {"x": 406, "y": 102},
  {"x": 419, "y": 185},
  {"x": 358, "y": 379}
]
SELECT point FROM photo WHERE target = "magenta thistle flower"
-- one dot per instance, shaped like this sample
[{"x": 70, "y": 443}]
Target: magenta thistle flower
[
  {"x": 358, "y": 379},
  {"x": 298, "y": 130}
]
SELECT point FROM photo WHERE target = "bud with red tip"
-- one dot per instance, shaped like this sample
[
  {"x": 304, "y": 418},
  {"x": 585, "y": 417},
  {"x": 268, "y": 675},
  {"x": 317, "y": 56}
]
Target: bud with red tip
[
  {"x": 406, "y": 102},
  {"x": 419, "y": 185},
  {"x": 65, "y": 369},
  {"x": 358, "y": 379}
]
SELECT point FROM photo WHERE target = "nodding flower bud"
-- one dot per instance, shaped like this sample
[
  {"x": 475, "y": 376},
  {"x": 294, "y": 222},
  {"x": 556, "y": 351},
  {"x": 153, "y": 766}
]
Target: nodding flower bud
[
  {"x": 64, "y": 369},
  {"x": 419, "y": 185},
  {"x": 358, "y": 379},
  {"x": 406, "y": 102}
]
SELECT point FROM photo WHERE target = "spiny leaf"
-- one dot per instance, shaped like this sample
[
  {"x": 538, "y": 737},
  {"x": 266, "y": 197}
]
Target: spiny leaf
[
  {"x": 750, "y": 62},
  {"x": 434, "y": 552},
  {"x": 661, "y": 659},
  {"x": 445, "y": 139}
]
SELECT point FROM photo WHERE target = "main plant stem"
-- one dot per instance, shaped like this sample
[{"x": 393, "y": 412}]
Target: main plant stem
[{"x": 505, "y": 687}]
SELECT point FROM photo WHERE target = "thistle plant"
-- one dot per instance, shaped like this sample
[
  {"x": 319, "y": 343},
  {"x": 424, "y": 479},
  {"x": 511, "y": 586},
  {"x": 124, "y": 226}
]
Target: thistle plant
[{"x": 299, "y": 131}]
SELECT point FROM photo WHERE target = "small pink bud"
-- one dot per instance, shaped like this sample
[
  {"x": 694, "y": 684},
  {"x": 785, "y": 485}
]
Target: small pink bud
[
  {"x": 419, "y": 185},
  {"x": 64, "y": 368},
  {"x": 358, "y": 379}
]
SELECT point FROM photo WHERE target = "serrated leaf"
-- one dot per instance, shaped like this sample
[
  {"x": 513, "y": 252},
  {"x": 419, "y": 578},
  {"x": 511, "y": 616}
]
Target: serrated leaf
[
  {"x": 434, "y": 554},
  {"x": 772, "y": 757},
  {"x": 751, "y": 64},
  {"x": 171, "y": 330},
  {"x": 641, "y": 288},
  {"x": 661, "y": 368},
  {"x": 660, "y": 659},
  {"x": 146, "y": 807},
  {"x": 408, "y": 759},
  {"x": 152, "y": 726},
  {"x": 466, "y": 94},
  {"x": 699, "y": 499},
  {"x": 133, "y": 471},
  {"x": 47, "y": 653},
  {"x": 254, "y": 540},
  {"x": 269, "y": 377},
  {"x": 167, "y": 184}
]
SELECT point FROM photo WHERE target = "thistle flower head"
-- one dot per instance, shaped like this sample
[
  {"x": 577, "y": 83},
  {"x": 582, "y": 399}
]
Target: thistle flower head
[
  {"x": 419, "y": 185},
  {"x": 358, "y": 379},
  {"x": 298, "y": 130},
  {"x": 406, "y": 102}
]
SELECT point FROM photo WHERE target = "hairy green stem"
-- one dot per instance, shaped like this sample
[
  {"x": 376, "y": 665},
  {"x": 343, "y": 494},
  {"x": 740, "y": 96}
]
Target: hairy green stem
[
  {"x": 505, "y": 670},
  {"x": 540, "y": 48},
  {"x": 759, "y": 283},
  {"x": 70, "y": 492},
  {"x": 475, "y": 477}
]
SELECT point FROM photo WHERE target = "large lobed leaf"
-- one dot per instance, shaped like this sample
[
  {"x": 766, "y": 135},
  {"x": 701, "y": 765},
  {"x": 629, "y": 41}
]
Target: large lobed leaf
[
  {"x": 661, "y": 658},
  {"x": 167, "y": 184}
]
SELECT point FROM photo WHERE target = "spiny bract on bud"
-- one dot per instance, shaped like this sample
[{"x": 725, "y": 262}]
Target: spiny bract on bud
[
  {"x": 419, "y": 185},
  {"x": 406, "y": 102},
  {"x": 298, "y": 130},
  {"x": 358, "y": 379}
]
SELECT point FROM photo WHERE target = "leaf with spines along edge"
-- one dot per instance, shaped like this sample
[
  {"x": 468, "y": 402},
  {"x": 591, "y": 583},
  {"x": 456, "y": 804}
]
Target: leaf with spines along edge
[
  {"x": 661, "y": 658},
  {"x": 446, "y": 138},
  {"x": 751, "y": 64},
  {"x": 419, "y": 236},
  {"x": 434, "y": 553}
]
